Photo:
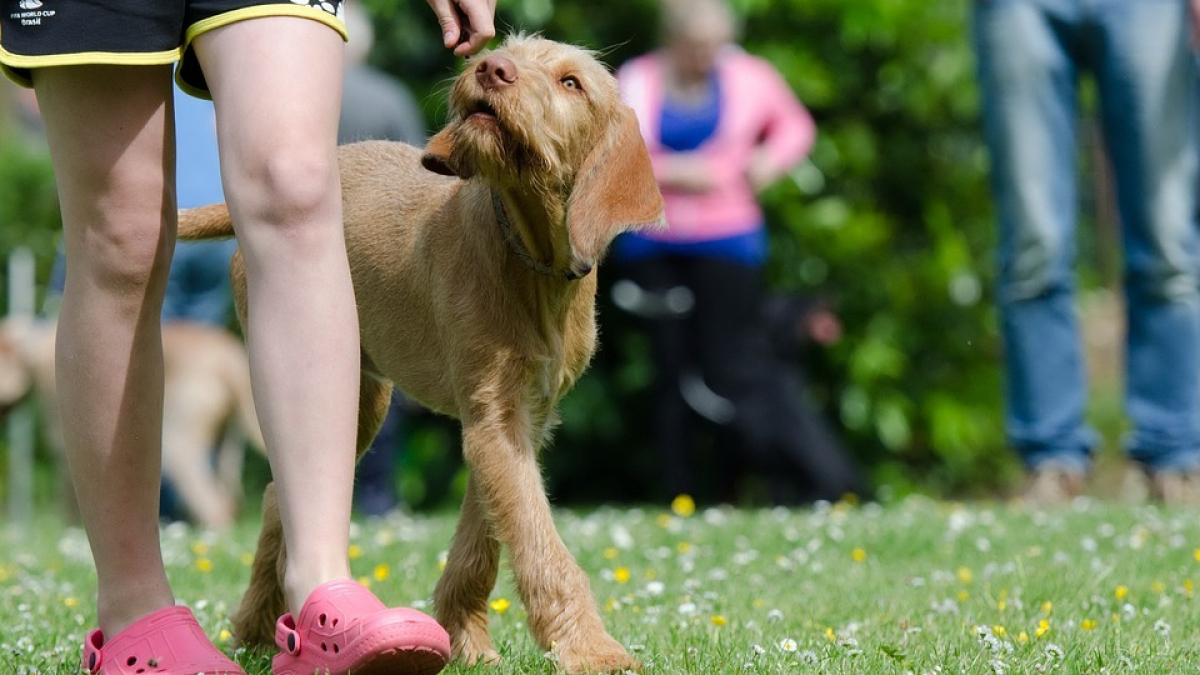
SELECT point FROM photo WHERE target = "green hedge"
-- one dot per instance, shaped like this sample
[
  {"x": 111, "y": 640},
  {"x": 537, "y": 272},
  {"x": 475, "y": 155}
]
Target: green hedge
[{"x": 891, "y": 216}]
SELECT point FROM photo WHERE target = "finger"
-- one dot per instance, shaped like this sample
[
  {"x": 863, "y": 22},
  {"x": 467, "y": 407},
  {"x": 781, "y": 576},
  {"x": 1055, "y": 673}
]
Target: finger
[
  {"x": 448, "y": 20},
  {"x": 480, "y": 26}
]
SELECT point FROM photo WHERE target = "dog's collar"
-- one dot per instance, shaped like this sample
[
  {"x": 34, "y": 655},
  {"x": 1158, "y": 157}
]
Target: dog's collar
[{"x": 523, "y": 253}]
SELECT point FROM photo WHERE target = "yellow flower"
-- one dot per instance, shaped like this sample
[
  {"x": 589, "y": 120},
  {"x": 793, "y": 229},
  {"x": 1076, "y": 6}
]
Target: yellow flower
[
  {"x": 1047, "y": 607},
  {"x": 71, "y": 602},
  {"x": 829, "y": 634},
  {"x": 500, "y": 605},
  {"x": 683, "y": 547},
  {"x": 204, "y": 565},
  {"x": 621, "y": 575},
  {"x": 1188, "y": 587},
  {"x": 365, "y": 581},
  {"x": 1002, "y": 604},
  {"x": 247, "y": 559},
  {"x": 663, "y": 520},
  {"x": 999, "y": 631},
  {"x": 718, "y": 620},
  {"x": 355, "y": 551},
  {"x": 759, "y": 603},
  {"x": 1158, "y": 587},
  {"x": 651, "y": 574},
  {"x": 225, "y": 635},
  {"x": 1088, "y": 624},
  {"x": 199, "y": 548},
  {"x": 964, "y": 575},
  {"x": 858, "y": 555},
  {"x": 683, "y": 506},
  {"x": 610, "y": 604},
  {"x": 1023, "y": 637},
  {"x": 381, "y": 572},
  {"x": 1042, "y": 629},
  {"x": 1196, "y": 555},
  {"x": 610, "y": 553},
  {"x": 1121, "y": 592},
  {"x": 963, "y": 595}
]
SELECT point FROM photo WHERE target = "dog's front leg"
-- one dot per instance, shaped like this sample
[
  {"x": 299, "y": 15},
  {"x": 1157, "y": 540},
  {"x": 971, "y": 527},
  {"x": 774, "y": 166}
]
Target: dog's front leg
[
  {"x": 562, "y": 613},
  {"x": 470, "y": 575}
]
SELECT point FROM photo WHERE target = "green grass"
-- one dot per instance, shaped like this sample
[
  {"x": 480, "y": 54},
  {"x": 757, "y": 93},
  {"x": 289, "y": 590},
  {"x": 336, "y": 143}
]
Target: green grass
[{"x": 917, "y": 586}]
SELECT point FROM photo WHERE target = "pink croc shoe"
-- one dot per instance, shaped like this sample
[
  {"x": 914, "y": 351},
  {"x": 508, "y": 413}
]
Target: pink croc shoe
[
  {"x": 343, "y": 628},
  {"x": 168, "y": 641}
]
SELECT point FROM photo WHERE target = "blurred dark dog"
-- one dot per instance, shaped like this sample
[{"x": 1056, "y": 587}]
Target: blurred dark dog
[{"x": 782, "y": 437}]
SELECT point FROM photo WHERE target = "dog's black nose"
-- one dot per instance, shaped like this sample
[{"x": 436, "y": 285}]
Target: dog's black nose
[{"x": 496, "y": 71}]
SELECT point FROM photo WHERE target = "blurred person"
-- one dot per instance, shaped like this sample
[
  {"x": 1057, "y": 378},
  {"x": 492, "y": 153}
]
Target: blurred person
[
  {"x": 102, "y": 73},
  {"x": 721, "y": 126},
  {"x": 376, "y": 106},
  {"x": 1031, "y": 54}
]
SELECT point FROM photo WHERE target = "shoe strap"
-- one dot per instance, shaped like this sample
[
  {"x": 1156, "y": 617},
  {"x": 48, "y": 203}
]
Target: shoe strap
[
  {"x": 93, "y": 657},
  {"x": 287, "y": 637}
]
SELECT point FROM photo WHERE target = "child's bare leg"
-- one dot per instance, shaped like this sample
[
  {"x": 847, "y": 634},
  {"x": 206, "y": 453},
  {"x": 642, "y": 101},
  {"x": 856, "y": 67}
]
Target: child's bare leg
[
  {"x": 276, "y": 83},
  {"x": 108, "y": 128}
]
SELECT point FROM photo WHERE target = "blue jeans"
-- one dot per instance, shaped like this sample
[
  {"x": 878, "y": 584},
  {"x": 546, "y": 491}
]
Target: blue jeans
[{"x": 1030, "y": 54}]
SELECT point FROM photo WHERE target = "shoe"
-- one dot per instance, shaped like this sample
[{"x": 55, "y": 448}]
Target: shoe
[
  {"x": 344, "y": 628},
  {"x": 1175, "y": 487},
  {"x": 1052, "y": 484},
  {"x": 167, "y": 641}
]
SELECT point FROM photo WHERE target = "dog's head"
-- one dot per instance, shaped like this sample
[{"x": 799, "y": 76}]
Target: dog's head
[{"x": 548, "y": 117}]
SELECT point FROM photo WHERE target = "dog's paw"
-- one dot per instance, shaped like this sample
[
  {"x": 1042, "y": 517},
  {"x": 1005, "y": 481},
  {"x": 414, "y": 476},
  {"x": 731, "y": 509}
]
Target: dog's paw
[
  {"x": 473, "y": 647},
  {"x": 602, "y": 655}
]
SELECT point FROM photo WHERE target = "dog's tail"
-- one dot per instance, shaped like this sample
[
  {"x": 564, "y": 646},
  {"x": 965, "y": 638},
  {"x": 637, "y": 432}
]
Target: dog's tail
[{"x": 205, "y": 222}]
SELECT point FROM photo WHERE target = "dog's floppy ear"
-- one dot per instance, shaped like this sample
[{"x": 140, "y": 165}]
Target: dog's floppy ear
[
  {"x": 439, "y": 154},
  {"x": 614, "y": 192}
]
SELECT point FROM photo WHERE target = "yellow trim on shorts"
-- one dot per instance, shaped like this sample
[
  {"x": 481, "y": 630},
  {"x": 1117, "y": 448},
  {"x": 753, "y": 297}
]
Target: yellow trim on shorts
[
  {"x": 11, "y": 61},
  {"x": 255, "y": 12}
]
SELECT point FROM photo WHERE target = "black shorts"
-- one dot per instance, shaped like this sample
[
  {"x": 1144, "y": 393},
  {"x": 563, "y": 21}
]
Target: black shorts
[{"x": 40, "y": 33}]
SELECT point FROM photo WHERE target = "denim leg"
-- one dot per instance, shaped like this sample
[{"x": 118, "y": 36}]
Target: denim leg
[
  {"x": 1029, "y": 80},
  {"x": 1148, "y": 87}
]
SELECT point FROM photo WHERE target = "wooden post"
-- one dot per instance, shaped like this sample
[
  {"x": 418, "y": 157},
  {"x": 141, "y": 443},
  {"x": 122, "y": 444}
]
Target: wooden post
[{"x": 21, "y": 300}]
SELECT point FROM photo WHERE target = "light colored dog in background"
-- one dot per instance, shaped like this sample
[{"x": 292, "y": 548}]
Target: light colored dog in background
[
  {"x": 476, "y": 297},
  {"x": 207, "y": 405}
]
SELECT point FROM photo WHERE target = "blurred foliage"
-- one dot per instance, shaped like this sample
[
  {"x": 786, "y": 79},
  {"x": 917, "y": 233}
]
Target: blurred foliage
[{"x": 891, "y": 217}]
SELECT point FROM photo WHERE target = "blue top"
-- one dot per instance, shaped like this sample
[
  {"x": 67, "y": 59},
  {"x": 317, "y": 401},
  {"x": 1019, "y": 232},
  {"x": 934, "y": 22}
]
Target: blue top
[{"x": 685, "y": 127}]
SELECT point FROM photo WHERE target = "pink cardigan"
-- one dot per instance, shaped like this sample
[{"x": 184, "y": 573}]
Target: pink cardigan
[{"x": 757, "y": 108}]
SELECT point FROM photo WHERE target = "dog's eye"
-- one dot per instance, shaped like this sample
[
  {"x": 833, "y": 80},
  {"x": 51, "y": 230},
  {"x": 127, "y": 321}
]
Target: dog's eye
[{"x": 571, "y": 82}]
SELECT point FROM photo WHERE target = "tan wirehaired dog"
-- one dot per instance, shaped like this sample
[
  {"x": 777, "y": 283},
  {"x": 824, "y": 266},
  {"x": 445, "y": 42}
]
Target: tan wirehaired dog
[
  {"x": 472, "y": 265},
  {"x": 207, "y": 404}
]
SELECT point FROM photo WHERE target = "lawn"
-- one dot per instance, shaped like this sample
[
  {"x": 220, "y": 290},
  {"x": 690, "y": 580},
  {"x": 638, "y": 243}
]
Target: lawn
[{"x": 916, "y": 586}]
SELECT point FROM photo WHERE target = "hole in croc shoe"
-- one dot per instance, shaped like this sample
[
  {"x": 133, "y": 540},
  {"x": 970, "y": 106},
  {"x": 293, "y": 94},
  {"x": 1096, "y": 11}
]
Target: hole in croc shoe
[
  {"x": 321, "y": 620},
  {"x": 335, "y": 622},
  {"x": 324, "y": 647},
  {"x": 336, "y": 649},
  {"x": 131, "y": 661}
]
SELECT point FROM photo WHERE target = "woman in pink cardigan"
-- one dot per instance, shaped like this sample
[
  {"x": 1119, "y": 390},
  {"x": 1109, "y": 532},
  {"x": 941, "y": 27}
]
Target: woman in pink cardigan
[{"x": 721, "y": 125}]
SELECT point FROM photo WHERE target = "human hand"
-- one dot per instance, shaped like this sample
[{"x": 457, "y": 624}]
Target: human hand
[
  {"x": 467, "y": 25},
  {"x": 687, "y": 173},
  {"x": 761, "y": 172},
  {"x": 1194, "y": 6},
  {"x": 824, "y": 327}
]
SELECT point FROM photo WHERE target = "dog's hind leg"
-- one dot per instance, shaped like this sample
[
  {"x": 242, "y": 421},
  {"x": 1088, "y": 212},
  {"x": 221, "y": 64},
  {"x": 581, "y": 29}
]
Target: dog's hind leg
[
  {"x": 562, "y": 613},
  {"x": 373, "y": 399},
  {"x": 263, "y": 603},
  {"x": 470, "y": 574}
]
